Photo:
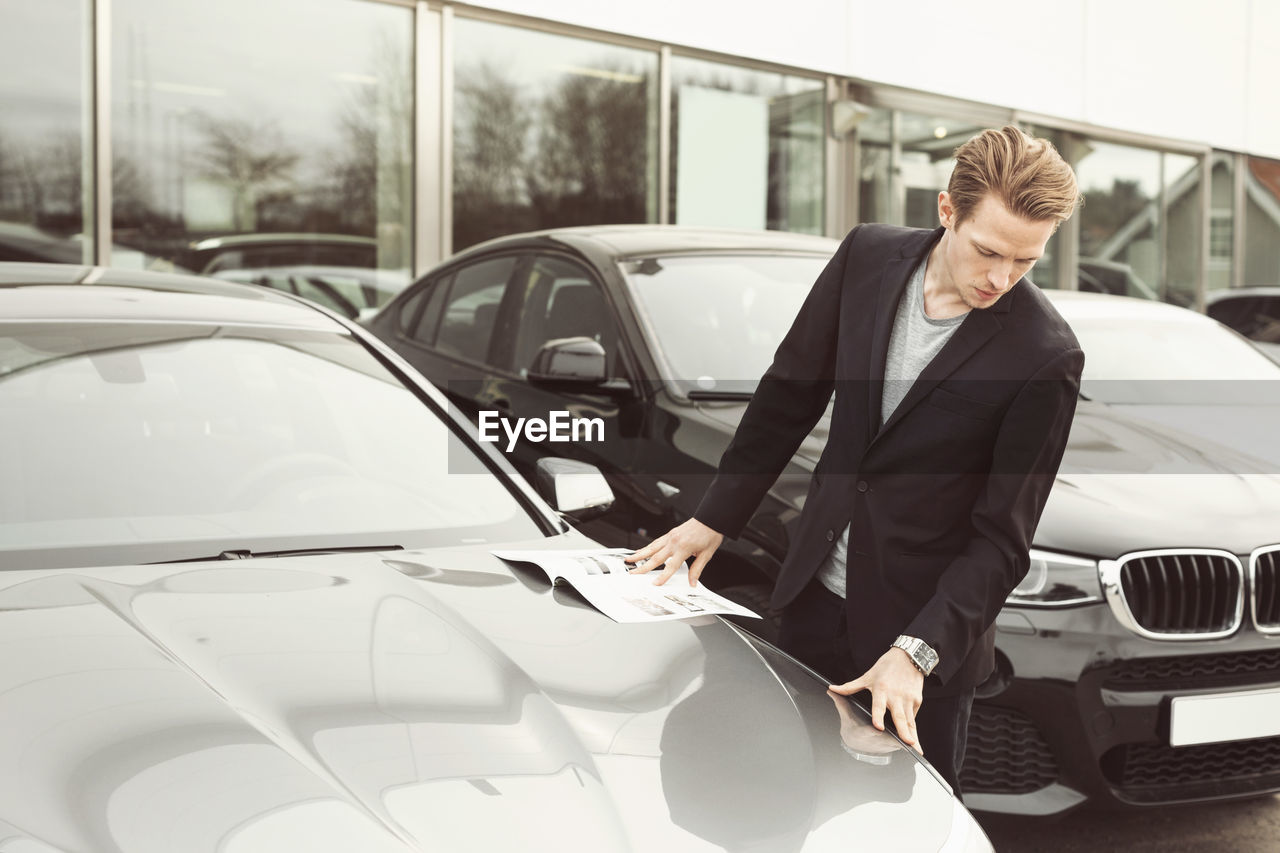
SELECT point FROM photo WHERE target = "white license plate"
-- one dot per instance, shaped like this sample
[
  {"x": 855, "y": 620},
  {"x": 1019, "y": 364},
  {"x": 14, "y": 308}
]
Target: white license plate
[{"x": 1224, "y": 716}]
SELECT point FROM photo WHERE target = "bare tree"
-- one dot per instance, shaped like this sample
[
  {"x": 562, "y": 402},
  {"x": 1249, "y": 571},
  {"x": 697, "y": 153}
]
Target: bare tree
[
  {"x": 367, "y": 182},
  {"x": 490, "y": 138},
  {"x": 592, "y": 153},
  {"x": 251, "y": 157}
]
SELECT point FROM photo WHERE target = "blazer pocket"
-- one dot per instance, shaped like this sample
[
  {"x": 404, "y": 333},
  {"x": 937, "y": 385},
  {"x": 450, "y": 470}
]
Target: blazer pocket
[{"x": 958, "y": 404}]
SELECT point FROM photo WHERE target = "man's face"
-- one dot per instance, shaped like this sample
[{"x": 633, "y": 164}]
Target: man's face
[{"x": 989, "y": 251}]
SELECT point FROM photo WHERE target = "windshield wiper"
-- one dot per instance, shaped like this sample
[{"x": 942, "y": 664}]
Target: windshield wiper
[{"x": 245, "y": 554}]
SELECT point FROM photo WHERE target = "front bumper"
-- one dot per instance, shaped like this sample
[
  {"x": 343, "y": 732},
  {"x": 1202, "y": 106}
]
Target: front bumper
[{"x": 1079, "y": 710}]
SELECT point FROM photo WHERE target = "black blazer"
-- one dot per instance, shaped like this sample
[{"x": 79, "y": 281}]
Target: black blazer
[{"x": 944, "y": 499}]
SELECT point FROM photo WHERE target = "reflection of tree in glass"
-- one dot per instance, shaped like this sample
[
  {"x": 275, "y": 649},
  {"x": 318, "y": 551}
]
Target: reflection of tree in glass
[
  {"x": 491, "y": 125},
  {"x": 41, "y": 184},
  {"x": 250, "y": 156},
  {"x": 592, "y": 151},
  {"x": 577, "y": 155},
  {"x": 366, "y": 181}
]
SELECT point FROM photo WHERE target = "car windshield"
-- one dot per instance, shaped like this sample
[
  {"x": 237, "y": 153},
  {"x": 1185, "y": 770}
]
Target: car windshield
[
  {"x": 717, "y": 319},
  {"x": 1174, "y": 358},
  {"x": 131, "y": 443}
]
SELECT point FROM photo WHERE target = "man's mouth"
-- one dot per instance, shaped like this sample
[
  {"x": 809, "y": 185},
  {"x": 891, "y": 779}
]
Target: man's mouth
[{"x": 986, "y": 294}]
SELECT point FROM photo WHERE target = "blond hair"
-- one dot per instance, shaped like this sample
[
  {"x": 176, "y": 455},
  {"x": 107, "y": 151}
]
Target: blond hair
[{"x": 1027, "y": 174}]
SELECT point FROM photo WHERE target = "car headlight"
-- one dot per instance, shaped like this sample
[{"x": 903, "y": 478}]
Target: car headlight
[{"x": 1056, "y": 580}]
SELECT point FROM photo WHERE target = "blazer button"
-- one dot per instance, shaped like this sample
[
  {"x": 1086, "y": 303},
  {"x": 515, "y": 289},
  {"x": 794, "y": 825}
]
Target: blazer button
[
  {"x": 862, "y": 485},
  {"x": 831, "y": 535}
]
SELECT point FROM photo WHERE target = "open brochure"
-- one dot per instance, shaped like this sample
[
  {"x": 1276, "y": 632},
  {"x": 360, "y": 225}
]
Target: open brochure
[{"x": 602, "y": 578}]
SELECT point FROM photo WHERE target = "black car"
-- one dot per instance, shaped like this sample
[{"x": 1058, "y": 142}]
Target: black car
[
  {"x": 1154, "y": 590},
  {"x": 1252, "y": 311}
]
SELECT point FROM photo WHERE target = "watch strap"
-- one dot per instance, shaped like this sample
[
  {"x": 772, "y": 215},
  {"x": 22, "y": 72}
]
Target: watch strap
[{"x": 921, "y": 653}]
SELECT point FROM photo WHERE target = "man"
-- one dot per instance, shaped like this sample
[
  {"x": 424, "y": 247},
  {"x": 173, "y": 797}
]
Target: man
[{"x": 955, "y": 382}]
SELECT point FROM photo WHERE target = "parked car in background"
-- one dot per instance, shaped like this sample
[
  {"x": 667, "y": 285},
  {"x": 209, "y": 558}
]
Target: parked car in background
[
  {"x": 27, "y": 243},
  {"x": 351, "y": 291},
  {"x": 244, "y": 251},
  {"x": 1252, "y": 311},
  {"x": 1094, "y": 275},
  {"x": 1147, "y": 628},
  {"x": 247, "y": 603}
]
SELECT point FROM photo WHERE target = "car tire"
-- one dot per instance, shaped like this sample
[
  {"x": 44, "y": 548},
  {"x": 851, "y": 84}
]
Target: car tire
[{"x": 754, "y": 597}]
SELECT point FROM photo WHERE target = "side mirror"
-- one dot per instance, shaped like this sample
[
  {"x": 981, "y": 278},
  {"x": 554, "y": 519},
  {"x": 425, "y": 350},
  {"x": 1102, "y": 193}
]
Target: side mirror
[
  {"x": 574, "y": 360},
  {"x": 577, "y": 489}
]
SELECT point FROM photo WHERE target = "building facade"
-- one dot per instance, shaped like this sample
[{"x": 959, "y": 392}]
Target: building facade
[{"x": 390, "y": 133}]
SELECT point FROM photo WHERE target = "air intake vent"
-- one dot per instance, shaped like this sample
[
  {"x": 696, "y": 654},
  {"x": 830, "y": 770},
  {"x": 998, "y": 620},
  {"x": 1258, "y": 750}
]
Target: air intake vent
[
  {"x": 1176, "y": 595},
  {"x": 1006, "y": 754},
  {"x": 1264, "y": 569}
]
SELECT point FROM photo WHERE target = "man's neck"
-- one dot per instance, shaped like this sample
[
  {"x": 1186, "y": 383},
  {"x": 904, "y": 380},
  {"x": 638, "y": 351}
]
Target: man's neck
[{"x": 941, "y": 296}]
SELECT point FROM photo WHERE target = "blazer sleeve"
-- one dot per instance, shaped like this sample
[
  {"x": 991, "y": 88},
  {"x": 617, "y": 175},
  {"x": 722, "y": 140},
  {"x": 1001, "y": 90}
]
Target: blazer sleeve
[
  {"x": 791, "y": 396},
  {"x": 1028, "y": 450}
]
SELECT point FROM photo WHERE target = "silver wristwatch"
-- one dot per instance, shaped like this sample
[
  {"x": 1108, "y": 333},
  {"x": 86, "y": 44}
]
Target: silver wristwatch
[{"x": 920, "y": 652}]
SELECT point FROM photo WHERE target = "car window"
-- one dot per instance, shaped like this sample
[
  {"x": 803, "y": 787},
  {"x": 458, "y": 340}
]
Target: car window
[
  {"x": 563, "y": 300},
  {"x": 420, "y": 316},
  {"x": 471, "y": 308},
  {"x": 716, "y": 320},
  {"x": 1252, "y": 315}
]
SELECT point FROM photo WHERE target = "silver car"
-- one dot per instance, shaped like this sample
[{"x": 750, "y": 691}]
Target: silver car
[{"x": 247, "y": 603}]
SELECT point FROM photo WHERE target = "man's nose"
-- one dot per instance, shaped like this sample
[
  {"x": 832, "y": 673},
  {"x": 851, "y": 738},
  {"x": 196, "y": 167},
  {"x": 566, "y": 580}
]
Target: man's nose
[{"x": 999, "y": 277}]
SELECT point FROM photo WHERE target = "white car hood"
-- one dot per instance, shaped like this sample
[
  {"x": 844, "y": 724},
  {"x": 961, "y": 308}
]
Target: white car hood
[{"x": 431, "y": 700}]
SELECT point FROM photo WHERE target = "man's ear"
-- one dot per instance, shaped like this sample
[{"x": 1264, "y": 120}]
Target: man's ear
[{"x": 946, "y": 211}]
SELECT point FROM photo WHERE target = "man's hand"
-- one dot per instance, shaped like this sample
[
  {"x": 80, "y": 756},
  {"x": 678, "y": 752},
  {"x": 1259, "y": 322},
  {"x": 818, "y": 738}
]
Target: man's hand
[
  {"x": 896, "y": 685},
  {"x": 673, "y": 548}
]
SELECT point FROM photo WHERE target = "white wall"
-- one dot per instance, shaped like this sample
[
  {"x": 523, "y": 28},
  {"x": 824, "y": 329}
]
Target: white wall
[{"x": 1202, "y": 71}]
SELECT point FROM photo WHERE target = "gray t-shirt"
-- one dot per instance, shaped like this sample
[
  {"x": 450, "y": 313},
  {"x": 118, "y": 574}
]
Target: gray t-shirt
[{"x": 915, "y": 340}]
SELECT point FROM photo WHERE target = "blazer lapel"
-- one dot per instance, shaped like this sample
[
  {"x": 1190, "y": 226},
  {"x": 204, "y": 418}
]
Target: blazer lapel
[
  {"x": 892, "y": 283},
  {"x": 979, "y": 327}
]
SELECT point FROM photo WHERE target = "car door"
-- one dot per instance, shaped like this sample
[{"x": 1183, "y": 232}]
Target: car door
[{"x": 562, "y": 298}]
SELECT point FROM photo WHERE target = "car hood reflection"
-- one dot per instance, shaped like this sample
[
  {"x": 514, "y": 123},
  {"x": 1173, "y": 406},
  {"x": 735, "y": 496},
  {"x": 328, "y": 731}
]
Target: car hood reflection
[
  {"x": 425, "y": 700},
  {"x": 1127, "y": 483}
]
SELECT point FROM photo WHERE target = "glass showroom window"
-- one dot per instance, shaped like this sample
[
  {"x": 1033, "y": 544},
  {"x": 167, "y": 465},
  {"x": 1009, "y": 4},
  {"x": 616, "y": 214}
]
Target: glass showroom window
[
  {"x": 747, "y": 147},
  {"x": 261, "y": 136},
  {"x": 549, "y": 131},
  {"x": 1120, "y": 219},
  {"x": 43, "y": 133},
  {"x": 1141, "y": 222},
  {"x": 906, "y": 162},
  {"x": 1262, "y": 223}
]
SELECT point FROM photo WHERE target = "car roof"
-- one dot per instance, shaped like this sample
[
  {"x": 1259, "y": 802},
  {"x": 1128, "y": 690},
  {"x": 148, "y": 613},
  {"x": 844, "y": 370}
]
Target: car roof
[
  {"x": 624, "y": 241},
  {"x": 1240, "y": 293},
  {"x": 1079, "y": 305},
  {"x": 69, "y": 292},
  {"x": 233, "y": 240}
]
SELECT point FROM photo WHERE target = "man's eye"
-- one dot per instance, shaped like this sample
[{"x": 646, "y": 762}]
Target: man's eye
[{"x": 986, "y": 254}]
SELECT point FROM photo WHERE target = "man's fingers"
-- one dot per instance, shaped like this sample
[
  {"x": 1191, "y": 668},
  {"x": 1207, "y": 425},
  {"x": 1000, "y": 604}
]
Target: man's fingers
[
  {"x": 647, "y": 551},
  {"x": 645, "y": 565},
  {"x": 905, "y": 723},
  {"x": 877, "y": 710},
  {"x": 695, "y": 571},
  {"x": 902, "y": 722},
  {"x": 849, "y": 687},
  {"x": 671, "y": 566}
]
